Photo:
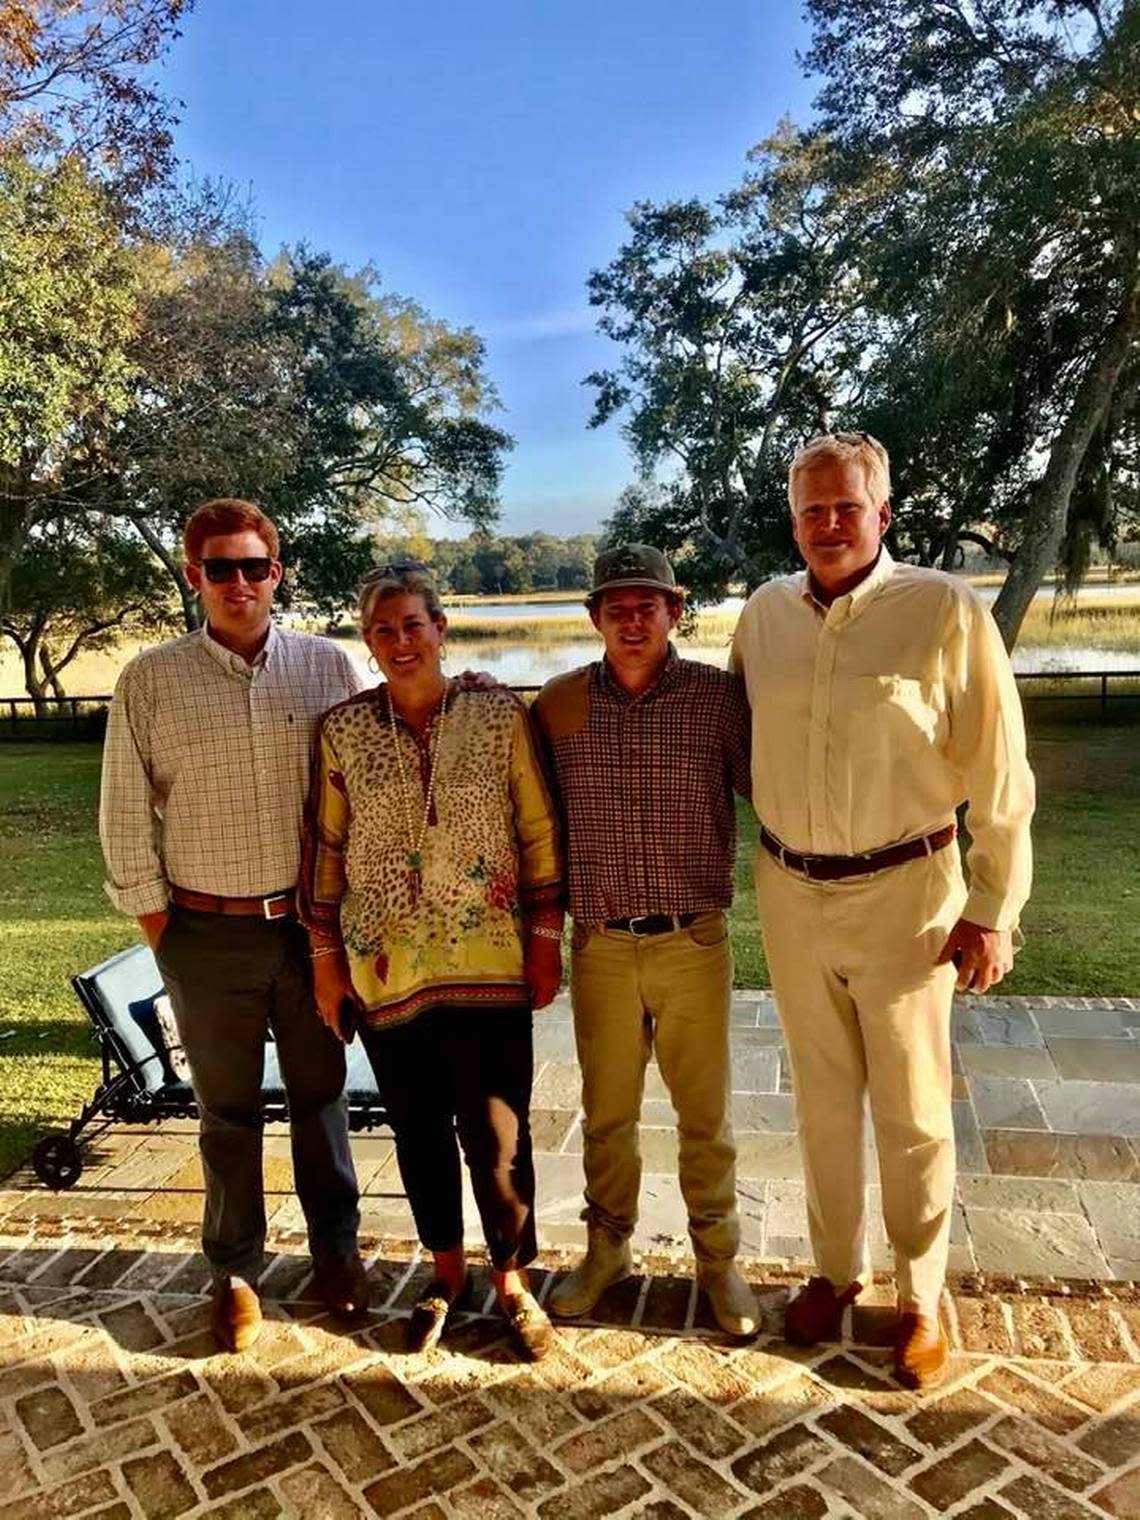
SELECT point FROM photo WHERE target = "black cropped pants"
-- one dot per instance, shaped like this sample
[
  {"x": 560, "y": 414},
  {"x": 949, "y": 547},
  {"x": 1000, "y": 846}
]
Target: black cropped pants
[{"x": 458, "y": 1076}]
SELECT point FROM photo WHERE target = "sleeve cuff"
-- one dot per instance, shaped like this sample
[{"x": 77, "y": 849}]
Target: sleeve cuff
[
  {"x": 991, "y": 911},
  {"x": 151, "y": 897}
]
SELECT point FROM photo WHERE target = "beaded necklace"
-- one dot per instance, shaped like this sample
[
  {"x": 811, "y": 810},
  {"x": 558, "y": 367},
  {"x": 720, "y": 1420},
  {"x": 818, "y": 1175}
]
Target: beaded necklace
[{"x": 414, "y": 854}]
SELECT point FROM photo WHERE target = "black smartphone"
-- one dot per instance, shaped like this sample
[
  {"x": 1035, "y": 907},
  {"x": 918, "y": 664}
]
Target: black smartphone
[{"x": 347, "y": 1020}]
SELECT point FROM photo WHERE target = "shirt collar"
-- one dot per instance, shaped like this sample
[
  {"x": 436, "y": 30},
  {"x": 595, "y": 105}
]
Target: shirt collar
[
  {"x": 234, "y": 662},
  {"x": 852, "y": 601},
  {"x": 613, "y": 688}
]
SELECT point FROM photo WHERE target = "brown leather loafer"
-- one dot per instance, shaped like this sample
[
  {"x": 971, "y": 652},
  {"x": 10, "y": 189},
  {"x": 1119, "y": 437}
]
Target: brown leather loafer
[
  {"x": 343, "y": 1284},
  {"x": 235, "y": 1315},
  {"x": 816, "y": 1312},
  {"x": 430, "y": 1313},
  {"x": 921, "y": 1351},
  {"x": 531, "y": 1329}
]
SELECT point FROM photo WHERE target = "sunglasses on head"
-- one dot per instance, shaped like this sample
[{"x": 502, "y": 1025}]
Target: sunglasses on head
[{"x": 220, "y": 570}]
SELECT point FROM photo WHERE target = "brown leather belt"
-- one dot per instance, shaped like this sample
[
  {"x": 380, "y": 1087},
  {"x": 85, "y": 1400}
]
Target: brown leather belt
[
  {"x": 276, "y": 905},
  {"x": 836, "y": 867}
]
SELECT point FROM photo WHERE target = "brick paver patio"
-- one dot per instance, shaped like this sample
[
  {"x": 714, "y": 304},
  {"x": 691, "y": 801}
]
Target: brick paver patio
[{"x": 112, "y": 1404}]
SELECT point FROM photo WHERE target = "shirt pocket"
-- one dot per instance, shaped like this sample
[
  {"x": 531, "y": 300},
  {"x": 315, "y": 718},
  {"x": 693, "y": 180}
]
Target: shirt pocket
[{"x": 896, "y": 715}]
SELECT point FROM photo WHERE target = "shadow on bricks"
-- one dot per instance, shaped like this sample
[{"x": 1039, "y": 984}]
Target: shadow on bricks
[{"x": 113, "y": 1401}]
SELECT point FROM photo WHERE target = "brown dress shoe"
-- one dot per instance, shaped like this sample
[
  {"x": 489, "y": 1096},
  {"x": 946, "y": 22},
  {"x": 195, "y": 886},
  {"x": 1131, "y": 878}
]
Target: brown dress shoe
[
  {"x": 343, "y": 1284},
  {"x": 430, "y": 1312},
  {"x": 531, "y": 1330},
  {"x": 921, "y": 1351},
  {"x": 816, "y": 1312},
  {"x": 235, "y": 1315}
]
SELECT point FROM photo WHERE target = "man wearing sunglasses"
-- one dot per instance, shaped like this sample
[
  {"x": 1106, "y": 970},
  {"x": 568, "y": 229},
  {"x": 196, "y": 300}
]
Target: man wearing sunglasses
[{"x": 205, "y": 774}]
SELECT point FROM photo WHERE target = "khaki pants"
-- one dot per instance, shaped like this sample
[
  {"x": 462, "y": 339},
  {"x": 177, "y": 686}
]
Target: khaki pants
[
  {"x": 670, "y": 994},
  {"x": 866, "y": 1013}
]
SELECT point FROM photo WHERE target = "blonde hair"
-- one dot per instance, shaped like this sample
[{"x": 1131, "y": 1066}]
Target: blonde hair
[
  {"x": 396, "y": 580},
  {"x": 845, "y": 448}
]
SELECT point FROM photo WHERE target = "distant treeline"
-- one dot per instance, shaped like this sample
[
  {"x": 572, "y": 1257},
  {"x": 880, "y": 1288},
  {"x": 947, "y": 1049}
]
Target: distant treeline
[{"x": 485, "y": 564}]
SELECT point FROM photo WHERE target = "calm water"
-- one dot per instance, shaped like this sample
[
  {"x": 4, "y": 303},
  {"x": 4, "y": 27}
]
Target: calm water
[
  {"x": 529, "y": 664},
  {"x": 559, "y": 610},
  {"x": 552, "y": 610},
  {"x": 532, "y": 664}
]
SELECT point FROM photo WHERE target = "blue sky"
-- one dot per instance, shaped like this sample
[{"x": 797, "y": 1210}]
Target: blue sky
[{"x": 482, "y": 153}]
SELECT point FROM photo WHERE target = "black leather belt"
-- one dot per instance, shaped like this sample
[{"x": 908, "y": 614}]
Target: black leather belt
[
  {"x": 836, "y": 867},
  {"x": 652, "y": 923}
]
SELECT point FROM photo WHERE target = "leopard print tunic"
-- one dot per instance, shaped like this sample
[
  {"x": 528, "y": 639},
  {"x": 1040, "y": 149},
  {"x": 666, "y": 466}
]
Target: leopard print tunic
[{"x": 452, "y": 930}]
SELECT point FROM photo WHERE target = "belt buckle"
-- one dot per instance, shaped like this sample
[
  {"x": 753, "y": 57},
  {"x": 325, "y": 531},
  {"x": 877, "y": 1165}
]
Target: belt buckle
[
  {"x": 804, "y": 867},
  {"x": 639, "y": 918},
  {"x": 278, "y": 897}
]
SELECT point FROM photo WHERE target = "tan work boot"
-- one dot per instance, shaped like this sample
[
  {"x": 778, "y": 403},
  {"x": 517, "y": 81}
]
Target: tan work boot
[
  {"x": 732, "y": 1301},
  {"x": 606, "y": 1262}
]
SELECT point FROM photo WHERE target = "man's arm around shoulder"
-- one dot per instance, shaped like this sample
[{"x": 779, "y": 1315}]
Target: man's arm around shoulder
[{"x": 562, "y": 707}]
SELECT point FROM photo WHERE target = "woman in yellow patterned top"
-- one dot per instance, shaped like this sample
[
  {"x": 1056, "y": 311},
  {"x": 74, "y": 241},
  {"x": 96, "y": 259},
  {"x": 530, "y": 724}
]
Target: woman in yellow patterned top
[{"x": 431, "y": 888}]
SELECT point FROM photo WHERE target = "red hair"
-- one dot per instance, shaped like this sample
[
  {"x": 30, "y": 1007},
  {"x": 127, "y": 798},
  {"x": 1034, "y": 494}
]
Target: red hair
[{"x": 228, "y": 514}]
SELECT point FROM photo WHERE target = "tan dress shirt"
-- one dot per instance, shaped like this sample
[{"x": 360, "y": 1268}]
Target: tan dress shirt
[
  {"x": 872, "y": 719},
  {"x": 206, "y": 765}
]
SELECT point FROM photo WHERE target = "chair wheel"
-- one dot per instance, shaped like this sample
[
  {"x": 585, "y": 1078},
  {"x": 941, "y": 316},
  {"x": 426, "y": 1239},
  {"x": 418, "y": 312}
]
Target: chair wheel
[{"x": 57, "y": 1162}]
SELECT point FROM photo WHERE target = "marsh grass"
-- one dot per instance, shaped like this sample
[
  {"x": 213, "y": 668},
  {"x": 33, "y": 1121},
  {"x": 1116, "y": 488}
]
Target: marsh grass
[
  {"x": 548, "y": 598},
  {"x": 1093, "y": 624},
  {"x": 709, "y": 629}
]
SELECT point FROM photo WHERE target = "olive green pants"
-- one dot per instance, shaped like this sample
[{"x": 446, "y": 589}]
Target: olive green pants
[{"x": 666, "y": 994}]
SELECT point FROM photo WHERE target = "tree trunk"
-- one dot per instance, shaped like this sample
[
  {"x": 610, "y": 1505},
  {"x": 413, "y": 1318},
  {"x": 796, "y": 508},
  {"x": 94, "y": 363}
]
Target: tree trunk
[
  {"x": 51, "y": 673},
  {"x": 191, "y": 612},
  {"x": 33, "y": 685},
  {"x": 16, "y": 513},
  {"x": 1048, "y": 512}
]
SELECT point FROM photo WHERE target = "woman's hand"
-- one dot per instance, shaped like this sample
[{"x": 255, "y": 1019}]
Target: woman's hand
[
  {"x": 543, "y": 963},
  {"x": 331, "y": 985}
]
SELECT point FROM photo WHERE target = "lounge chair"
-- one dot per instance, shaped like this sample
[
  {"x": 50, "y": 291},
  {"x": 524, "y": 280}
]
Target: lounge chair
[{"x": 143, "y": 1073}]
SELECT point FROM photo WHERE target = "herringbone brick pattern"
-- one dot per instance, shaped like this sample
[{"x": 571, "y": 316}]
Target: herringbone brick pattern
[{"x": 113, "y": 1404}]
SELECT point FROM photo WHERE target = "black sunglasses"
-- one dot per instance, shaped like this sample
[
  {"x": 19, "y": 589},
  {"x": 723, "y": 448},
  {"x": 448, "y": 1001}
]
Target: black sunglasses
[{"x": 219, "y": 571}]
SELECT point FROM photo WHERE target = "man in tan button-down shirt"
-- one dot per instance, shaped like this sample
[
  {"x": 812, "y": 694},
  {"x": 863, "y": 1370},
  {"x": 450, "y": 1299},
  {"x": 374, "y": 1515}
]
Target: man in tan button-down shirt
[{"x": 882, "y": 698}]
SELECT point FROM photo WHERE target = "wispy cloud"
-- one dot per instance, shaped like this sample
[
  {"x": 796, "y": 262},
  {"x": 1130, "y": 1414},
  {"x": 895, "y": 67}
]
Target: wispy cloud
[{"x": 562, "y": 322}]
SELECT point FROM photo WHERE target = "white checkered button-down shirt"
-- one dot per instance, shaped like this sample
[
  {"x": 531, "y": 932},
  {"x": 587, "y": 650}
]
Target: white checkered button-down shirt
[{"x": 206, "y": 765}]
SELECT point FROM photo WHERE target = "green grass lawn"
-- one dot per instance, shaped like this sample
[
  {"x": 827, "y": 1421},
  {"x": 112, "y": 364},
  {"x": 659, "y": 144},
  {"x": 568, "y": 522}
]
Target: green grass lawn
[{"x": 1080, "y": 926}]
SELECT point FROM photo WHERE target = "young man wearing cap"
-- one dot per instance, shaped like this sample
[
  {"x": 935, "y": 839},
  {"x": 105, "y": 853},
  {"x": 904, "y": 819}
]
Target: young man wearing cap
[
  {"x": 646, "y": 750},
  {"x": 205, "y": 774},
  {"x": 882, "y": 698}
]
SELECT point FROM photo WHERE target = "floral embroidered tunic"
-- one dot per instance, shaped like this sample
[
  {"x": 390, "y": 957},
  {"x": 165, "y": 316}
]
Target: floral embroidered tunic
[{"x": 451, "y": 931}]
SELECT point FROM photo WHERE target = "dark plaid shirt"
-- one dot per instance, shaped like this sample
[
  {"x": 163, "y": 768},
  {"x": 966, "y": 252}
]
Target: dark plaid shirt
[{"x": 646, "y": 787}]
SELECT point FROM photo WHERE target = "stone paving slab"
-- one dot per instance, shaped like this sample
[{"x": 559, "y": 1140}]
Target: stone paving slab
[
  {"x": 1045, "y": 1090},
  {"x": 112, "y": 1402}
]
